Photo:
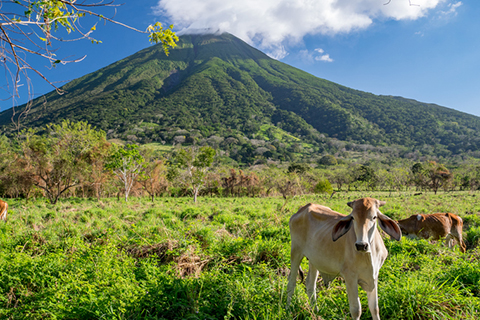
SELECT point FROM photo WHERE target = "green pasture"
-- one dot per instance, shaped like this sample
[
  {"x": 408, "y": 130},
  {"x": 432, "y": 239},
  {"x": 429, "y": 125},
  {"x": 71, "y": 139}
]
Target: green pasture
[{"x": 222, "y": 258}]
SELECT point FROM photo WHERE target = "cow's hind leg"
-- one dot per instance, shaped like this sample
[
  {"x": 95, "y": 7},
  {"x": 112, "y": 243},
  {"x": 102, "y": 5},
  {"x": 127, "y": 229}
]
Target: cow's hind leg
[
  {"x": 451, "y": 237},
  {"x": 457, "y": 234},
  {"x": 312, "y": 284},
  {"x": 296, "y": 257}
]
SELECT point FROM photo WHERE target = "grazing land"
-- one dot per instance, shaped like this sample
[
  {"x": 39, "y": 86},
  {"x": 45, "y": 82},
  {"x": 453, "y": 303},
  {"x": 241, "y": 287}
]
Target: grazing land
[{"x": 221, "y": 258}]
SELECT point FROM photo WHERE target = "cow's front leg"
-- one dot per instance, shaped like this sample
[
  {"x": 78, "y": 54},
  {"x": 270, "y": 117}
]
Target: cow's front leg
[
  {"x": 373, "y": 303},
  {"x": 353, "y": 299}
]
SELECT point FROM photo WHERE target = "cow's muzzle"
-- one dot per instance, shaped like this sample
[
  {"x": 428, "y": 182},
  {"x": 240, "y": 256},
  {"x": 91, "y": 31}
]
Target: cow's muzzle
[{"x": 361, "y": 246}]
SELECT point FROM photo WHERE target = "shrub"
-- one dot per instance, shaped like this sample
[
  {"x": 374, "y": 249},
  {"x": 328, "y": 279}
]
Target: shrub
[
  {"x": 323, "y": 186},
  {"x": 328, "y": 160}
]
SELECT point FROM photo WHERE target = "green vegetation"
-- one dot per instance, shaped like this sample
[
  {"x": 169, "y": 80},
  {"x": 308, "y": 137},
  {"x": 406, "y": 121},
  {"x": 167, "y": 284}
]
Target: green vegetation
[
  {"x": 255, "y": 140},
  {"x": 323, "y": 186},
  {"x": 70, "y": 250},
  {"x": 218, "y": 91},
  {"x": 220, "y": 258},
  {"x": 73, "y": 159}
]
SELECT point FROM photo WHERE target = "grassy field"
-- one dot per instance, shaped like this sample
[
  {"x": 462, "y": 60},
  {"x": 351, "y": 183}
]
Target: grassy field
[{"x": 223, "y": 258}]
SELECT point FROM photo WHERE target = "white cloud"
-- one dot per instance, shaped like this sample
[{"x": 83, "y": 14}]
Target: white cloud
[
  {"x": 452, "y": 9},
  {"x": 277, "y": 52},
  {"x": 306, "y": 56},
  {"x": 272, "y": 24},
  {"x": 312, "y": 56},
  {"x": 325, "y": 57}
]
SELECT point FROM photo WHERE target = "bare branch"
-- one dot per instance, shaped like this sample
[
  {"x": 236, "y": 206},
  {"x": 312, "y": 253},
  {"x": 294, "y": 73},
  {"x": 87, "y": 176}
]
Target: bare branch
[{"x": 29, "y": 28}]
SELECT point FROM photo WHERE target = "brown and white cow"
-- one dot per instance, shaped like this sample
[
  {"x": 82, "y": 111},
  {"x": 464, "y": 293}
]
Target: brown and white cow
[
  {"x": 350, "y": 246},
  {"x": 436, "y": 226},
  {"x": 3, "y": 210}
]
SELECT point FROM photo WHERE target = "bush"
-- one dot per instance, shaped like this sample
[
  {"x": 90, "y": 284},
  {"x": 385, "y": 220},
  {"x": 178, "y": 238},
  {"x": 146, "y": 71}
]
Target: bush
[
  {"x": 299, "y": 168},
  {"x": 328, "y": 160},
  {"x": 323, "y": 186}
]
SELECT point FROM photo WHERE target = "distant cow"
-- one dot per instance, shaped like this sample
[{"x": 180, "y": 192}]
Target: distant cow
[
  {"x": 3, "y": 210},
  {"x": 350, "y": 246},
  {"x": 436, "y": 226}
]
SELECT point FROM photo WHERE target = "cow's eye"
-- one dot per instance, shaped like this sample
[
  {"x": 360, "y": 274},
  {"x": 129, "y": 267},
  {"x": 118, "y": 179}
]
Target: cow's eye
[{"x": 374, "y": 217}]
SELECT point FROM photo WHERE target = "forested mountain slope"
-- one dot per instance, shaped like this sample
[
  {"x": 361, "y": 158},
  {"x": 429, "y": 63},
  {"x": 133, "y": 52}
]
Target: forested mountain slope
[{"x": 217, "y": 85}]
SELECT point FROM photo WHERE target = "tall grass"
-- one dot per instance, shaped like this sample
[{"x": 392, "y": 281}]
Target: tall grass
[{"x": 222, "y": 258}]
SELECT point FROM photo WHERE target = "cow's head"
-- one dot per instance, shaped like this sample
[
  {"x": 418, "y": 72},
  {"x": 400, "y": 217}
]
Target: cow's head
[{"x": 364, "y": 217}]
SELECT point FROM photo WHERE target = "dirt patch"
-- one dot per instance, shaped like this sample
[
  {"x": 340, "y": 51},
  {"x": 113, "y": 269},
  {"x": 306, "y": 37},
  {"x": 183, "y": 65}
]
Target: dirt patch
[
  {"x": 190, "y": 264},
  {"x": 187, "y": 264},
  {"x": 164, "y": 250}
]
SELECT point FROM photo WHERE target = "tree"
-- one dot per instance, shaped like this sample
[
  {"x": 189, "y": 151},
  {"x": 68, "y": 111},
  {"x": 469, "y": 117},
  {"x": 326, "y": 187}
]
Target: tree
[
  {"x": 299, "y": 168},
  {"x": 475, "y": 180},
  {"x": 29, "y": 28},
  {"x": 328, "y": 160},
  {"x": 195, "y": 162},
  {"x": 58, "y": 159},
  {"x": 288, "y": 184},
  {"x": 127, "y": 164},
  {"x": 431, "y": 175},
  {"x": 98, "y": 176},
  {"x": 236, "y": 184},
  {"x": 367, "y": 175},
  {"x": 16, "y": 177},
  {"x": 153, "y": 177},
  {"x": 339, "y": 176},
  {"x": 439, "y": 176},
  {"x": 419, "y": 177},
  {"x": 396, "y": 178}
]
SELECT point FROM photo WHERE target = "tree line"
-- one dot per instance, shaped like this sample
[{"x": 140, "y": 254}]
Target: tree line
[{"x": 73, "y": 159}]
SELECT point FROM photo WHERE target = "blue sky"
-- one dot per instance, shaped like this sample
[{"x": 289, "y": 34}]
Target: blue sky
[{"x": 427, "y": 50}]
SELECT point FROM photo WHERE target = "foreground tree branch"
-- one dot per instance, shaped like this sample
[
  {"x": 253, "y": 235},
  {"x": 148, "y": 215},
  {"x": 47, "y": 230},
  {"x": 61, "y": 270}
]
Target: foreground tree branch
[{"x": 28, "y": 27}]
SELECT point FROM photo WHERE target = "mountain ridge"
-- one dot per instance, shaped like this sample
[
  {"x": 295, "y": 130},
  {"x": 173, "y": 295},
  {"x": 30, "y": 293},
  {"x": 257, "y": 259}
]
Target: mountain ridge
[{"x": 217, "y": 85}]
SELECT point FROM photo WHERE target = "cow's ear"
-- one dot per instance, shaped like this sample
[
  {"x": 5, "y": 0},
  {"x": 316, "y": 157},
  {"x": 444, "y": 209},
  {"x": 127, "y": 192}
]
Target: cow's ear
[
  {"x": 350, "y": 204},
  {"x": 389, "y": 226},
  {"x": 341, "y": 227}
]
